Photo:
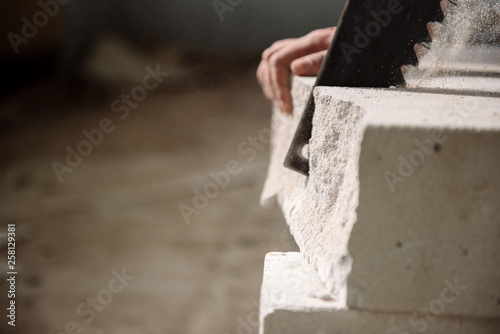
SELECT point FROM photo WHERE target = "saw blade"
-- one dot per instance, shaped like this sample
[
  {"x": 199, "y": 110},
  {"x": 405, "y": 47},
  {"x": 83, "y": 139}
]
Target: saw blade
[{"x": 373, "y": 39}]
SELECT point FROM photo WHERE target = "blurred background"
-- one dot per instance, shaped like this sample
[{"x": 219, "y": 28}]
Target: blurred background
[{"x": 114, "y": 118}]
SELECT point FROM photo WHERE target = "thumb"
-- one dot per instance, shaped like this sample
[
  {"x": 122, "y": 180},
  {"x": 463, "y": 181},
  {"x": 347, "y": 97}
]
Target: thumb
[{"x": 308, "y": 65}]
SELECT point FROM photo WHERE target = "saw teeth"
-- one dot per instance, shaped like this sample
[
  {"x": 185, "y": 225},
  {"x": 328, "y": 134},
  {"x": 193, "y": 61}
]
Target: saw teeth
[
  {"x": 434, "y": 28},
  {"x": 421, "y": 49},
  {"x": 407, "y": 70},
  {"x": 448, "y": 5},
  {"x": 424, "y": 46}
]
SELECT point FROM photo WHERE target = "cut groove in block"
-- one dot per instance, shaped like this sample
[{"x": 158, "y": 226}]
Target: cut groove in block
[{"x": 423, "y": 213}]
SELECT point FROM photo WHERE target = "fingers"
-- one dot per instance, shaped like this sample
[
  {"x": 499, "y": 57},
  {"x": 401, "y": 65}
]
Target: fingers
[
  {"x": 263, "y": 70},
  {"x": 275, "y": 47},
  {"x": 263, "y": 79},
  {"x": 273, "y": 72},
  {"x": 308, "y": 65},
  {"x": 279, "y": 67},
  {"x": 279, "y": 75},
  {"x": 296, "y": 48}
]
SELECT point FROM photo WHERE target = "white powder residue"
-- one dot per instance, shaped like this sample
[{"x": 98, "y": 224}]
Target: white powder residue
[{"x": 466, "y": 43}]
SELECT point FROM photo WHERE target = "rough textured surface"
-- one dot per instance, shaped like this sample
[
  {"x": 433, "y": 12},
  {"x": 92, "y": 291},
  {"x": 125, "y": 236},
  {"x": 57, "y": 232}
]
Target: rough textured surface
[
  {"x": 293, "y": 301},
  {"x": 281, "y": 180},
  {"x": 455, "y": 190},
  {"x": 299, "y": 201}
]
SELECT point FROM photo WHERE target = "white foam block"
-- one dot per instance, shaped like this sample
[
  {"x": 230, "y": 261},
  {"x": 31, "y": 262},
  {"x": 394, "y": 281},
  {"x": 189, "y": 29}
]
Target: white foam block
[
  {"x": 417, "y": 226},
  {"x": 295, "y": 301}
]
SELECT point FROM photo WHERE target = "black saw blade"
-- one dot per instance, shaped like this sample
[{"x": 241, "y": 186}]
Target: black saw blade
[{"x": 374, "y": 38}]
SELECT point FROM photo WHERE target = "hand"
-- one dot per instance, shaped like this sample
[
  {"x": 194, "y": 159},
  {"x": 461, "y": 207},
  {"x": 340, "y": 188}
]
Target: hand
[{"x": 303, "y": 56}]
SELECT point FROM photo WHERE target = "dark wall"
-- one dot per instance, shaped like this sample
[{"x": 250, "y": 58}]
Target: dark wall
[
  {"x": 245, "y": 28},
  {"x": 230, "y": 28},
  {"x": 241, "y": 27}
]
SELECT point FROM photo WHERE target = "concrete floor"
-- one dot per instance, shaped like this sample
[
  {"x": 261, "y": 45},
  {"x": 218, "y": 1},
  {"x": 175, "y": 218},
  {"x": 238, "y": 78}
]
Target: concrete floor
[{"x": 120, "y": 209}]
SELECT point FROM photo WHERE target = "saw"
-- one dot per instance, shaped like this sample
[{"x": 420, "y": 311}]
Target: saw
[{"x": 373, "y": 39}]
